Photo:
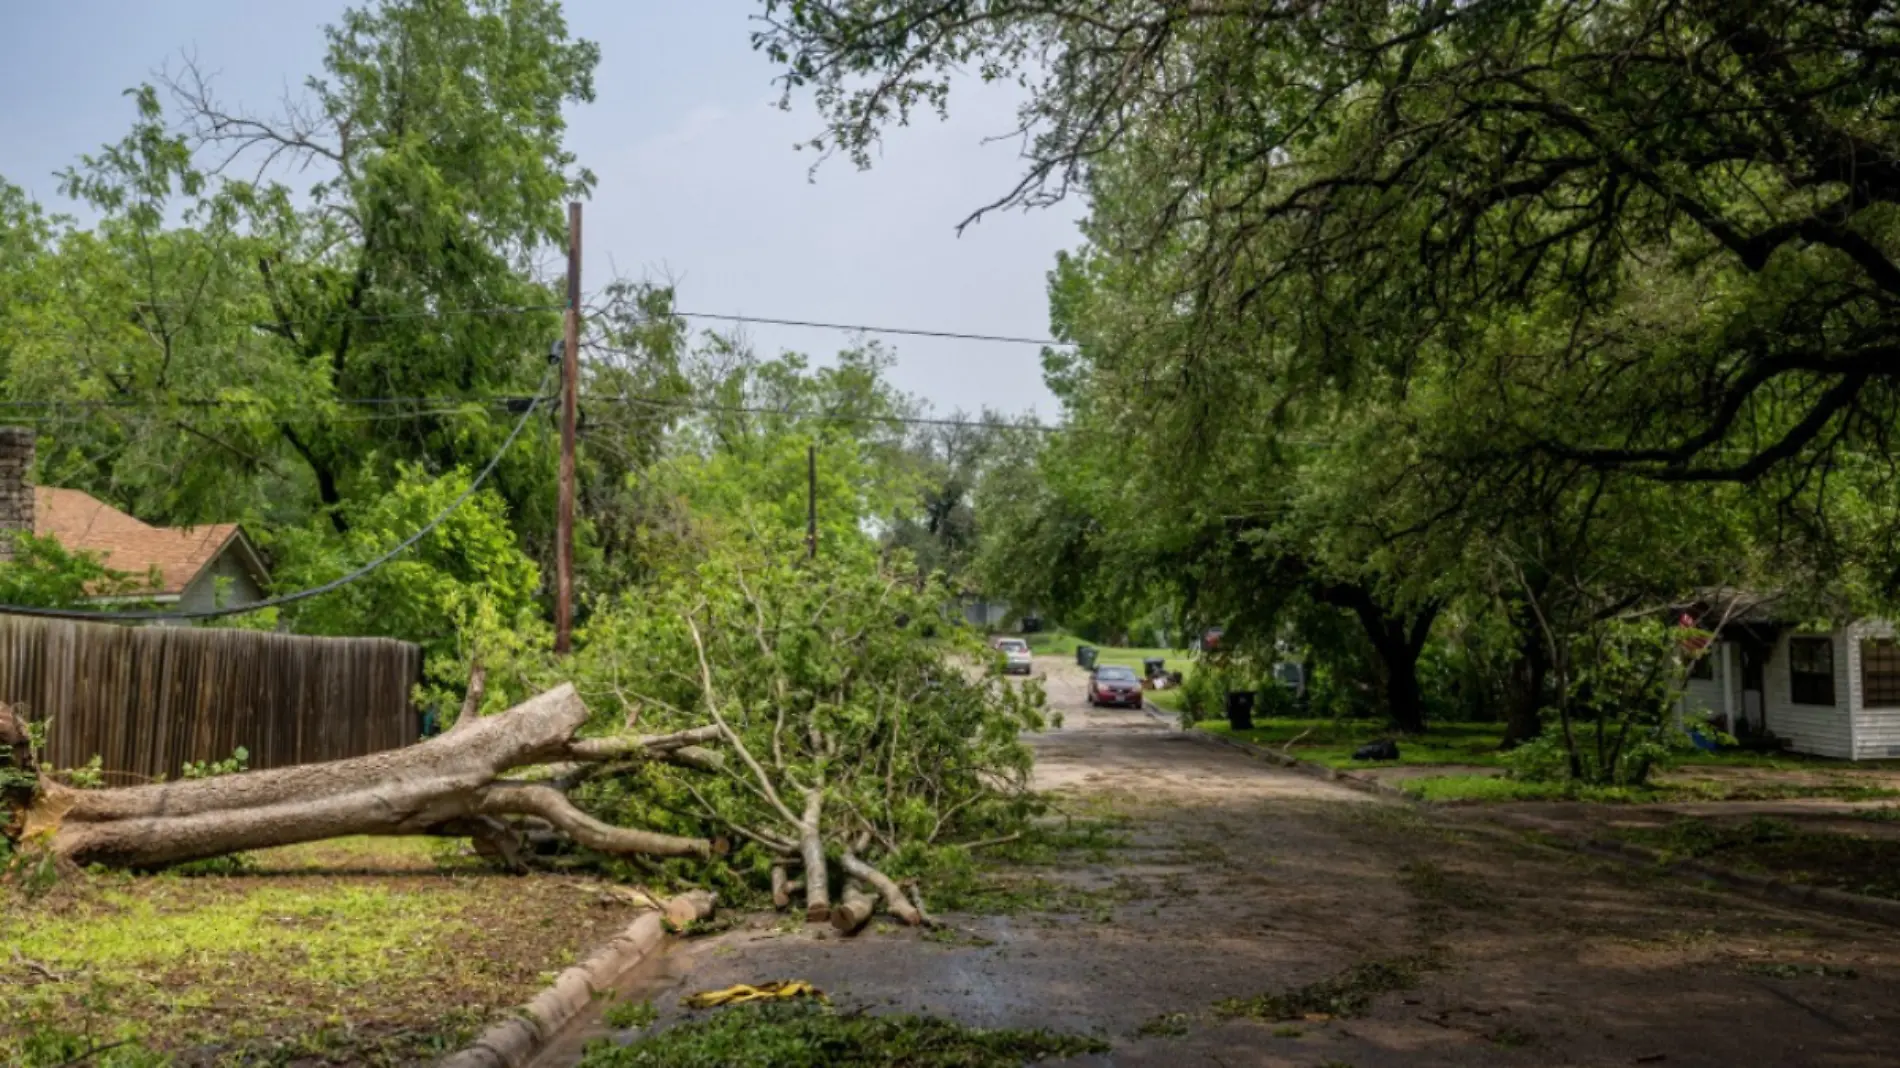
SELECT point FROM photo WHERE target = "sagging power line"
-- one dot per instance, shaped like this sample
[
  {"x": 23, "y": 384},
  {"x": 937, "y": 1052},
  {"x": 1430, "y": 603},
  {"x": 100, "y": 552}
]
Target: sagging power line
[
  {"x": 151, "y": 616},
  {"x": 863, "y": 328},
  {"x": 806, "y": 413}
]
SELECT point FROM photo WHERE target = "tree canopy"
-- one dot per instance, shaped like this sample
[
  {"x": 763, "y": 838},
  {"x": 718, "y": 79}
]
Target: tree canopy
[
  {"x": 1495, "y": 321},
  {"x": 1662, "y": 232}
]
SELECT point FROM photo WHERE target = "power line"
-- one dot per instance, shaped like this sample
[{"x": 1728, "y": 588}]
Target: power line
[
  {"x": 494, "y": 310},
  {"x": 327, "y": 587},
  {"x": 861, "y": 327},
  {"x": 432, "y": 313},
  {"x": 837, "y": 417},
  {"x": 54, "y": 411},
  {"x": 241, "y": 402},
  {"x": 533, "y": 309}
]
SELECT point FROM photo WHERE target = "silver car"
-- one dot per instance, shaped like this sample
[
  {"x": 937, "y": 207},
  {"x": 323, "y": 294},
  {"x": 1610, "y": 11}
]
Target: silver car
[{"x": 1017, "y": 660}]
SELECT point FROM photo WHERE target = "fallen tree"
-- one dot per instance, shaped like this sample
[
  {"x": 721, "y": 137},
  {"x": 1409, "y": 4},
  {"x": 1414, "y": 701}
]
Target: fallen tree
[
  {"x": 455, "y": 784},
  {"x": 865, "y": 732},
  {"x": 825, "y": 718}
]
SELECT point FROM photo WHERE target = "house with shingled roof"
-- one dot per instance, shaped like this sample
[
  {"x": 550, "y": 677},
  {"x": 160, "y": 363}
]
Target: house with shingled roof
[
  {"x": 209, "y": 566},
  {"x": 192, "y": 568}
]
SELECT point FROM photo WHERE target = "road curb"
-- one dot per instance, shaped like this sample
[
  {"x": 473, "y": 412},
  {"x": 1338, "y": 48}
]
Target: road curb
[
  {"x": 1819, "y": 898},
  {"x": 517, "y": 1040}
]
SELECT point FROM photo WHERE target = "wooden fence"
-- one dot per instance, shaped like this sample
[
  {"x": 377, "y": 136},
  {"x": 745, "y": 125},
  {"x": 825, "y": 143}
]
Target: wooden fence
[{"x": 148, "y": 699}]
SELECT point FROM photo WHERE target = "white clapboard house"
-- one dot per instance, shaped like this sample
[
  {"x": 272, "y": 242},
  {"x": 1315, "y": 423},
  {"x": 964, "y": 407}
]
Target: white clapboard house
[{"x": 1827, "y": 689}]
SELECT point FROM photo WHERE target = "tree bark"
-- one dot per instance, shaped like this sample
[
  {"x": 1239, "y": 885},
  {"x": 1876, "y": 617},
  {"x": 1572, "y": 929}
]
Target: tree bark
[
  {"x": 1404, "y": 697},
  {"x": 855, "y": 909},
  {"x": 449, "y": 783},
  {"x": 1529, "y": 677},
  {"x": 895, "y": 901},
  {"x": 1397, "y": 640},
  {"x": 1399, "y": 643},
  {"x": 812, "y": 845}
]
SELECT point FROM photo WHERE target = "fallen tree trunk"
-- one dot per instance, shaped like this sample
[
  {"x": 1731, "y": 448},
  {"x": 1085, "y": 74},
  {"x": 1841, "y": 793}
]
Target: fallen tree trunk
[
  {"x": 854, "y": 909},
  {"x": 450, "y": 784},
  {"x": 811, "y": 846},
  {"x": 895, "y": 900}
]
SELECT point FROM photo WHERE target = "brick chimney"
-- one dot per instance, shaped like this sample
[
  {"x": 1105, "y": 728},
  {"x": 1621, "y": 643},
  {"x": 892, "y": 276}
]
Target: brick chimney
[{"x": 16, "y": 486}]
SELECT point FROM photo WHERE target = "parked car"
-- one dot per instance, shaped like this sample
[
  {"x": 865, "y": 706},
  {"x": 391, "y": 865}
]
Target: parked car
[
  {"x": 1017, "y": 660},
  {"x": 1112, "y": 684}
]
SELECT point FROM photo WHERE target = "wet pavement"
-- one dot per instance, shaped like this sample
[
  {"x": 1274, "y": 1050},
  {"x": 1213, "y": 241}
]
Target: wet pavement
[{"x": 1241, "y": 878}]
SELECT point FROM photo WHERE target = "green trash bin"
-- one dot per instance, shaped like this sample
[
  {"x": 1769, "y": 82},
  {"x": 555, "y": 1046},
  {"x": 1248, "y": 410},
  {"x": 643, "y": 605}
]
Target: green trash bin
[{"x": 1085, "y": 656}]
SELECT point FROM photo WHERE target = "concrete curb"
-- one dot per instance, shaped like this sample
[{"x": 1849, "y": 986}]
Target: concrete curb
[
  {"x": 515, "y": 1041},
  {"x": 1837, "y": 902}
]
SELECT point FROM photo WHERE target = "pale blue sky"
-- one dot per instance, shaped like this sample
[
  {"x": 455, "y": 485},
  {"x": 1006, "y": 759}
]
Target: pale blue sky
[{"x": 698, "y": 177}]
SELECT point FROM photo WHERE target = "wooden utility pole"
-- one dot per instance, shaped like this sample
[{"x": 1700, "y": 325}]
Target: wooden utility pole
[
  {"x": 570, "y": 401},
  {"x": 811, "y": 501}
]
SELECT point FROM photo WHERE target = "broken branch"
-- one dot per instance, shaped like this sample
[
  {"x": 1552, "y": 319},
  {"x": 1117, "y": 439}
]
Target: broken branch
[{"x": 895, "y": 902}]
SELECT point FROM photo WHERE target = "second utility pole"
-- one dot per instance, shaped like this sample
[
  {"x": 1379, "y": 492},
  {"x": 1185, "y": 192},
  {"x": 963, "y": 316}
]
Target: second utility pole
[{"x": 570, "y": 401}]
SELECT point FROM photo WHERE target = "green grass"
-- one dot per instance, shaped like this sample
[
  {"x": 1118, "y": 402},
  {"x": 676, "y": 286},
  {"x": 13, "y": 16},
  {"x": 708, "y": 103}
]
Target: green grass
[
  {"x": 1059, "y": 644},
  {"x": 1449, "y": 789},
  {"x": 630, "y": 1015},
  {"x": 1167, "y": 700},
  {"x": 359, "y": 951},
  {"x": 1470, "y": 744},
  {"x": 339, "y": 936},
  {"x": 1480, "y": 788},
  {"x": 1331, "y": 742},
  {"x": 1742, "y": 758},
  {"x": 811, "y": 1035}
]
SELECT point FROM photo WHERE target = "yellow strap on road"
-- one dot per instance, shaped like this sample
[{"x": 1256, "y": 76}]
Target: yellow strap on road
[{"x": 744, "y": 992}]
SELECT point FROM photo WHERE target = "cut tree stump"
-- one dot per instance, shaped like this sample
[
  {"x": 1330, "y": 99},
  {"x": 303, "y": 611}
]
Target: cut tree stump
[{"x": 854, "y": 910}]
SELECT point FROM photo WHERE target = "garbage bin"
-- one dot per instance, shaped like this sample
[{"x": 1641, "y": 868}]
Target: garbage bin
[
  {"x": 1240, "y": 709},
  {"x": 1085, "y": 656},
  {"x": 1153, "y": 667}
]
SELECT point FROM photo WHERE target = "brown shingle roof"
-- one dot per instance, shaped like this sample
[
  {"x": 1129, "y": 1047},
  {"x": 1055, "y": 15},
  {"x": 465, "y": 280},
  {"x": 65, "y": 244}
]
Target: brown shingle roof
[{"x": 83, "y": 522}]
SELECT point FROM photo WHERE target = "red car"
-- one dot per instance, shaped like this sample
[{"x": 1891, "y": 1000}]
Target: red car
[{"x": 1113, "y": 685}]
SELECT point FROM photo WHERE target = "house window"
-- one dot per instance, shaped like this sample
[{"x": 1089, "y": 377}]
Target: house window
[
  {"x": 1811, "y": 671},
  {"x": 1703, "y": 666},
  {"x": 1880, "y": 673}
]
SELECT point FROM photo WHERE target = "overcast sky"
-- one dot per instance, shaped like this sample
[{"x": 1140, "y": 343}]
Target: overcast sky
[{"x": 699, "y": 180}]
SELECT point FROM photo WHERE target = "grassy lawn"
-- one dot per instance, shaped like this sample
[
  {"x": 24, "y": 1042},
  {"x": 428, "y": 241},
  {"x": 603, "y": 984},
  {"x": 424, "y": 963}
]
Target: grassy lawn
[
  {"x": 1331, "y": 742},
  {"x": 1479, "y": 788},
  {"x": 1739, "y": 758},
  {"x": 359, "y": 951},
  {"x": 1856, "y": 864},
  {"x": 1462, "y": 746},
  {"x": 1059, "y": 644}
]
